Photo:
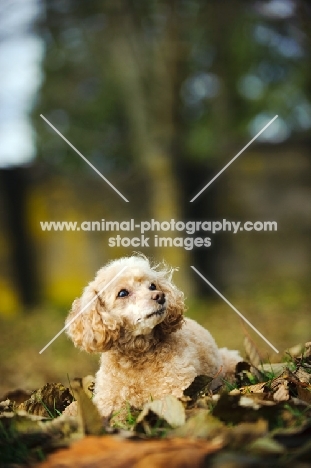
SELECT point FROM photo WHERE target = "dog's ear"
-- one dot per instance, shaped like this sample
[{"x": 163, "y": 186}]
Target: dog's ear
[
  {"x": 89, "y": 325},
  {"x": 175, "y": 308}
]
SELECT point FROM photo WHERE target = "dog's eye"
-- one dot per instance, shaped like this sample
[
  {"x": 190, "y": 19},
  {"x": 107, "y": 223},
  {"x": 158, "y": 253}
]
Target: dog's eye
[
  {"x": 123, "y": 293},
  {"x": 152, "y": 287}
]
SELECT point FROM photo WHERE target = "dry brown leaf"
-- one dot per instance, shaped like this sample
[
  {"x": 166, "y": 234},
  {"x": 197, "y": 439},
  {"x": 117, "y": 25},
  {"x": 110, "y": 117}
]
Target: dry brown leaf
[
  {"x": 304, "y": 394},
  {"x": 266, "y": 446},
  {"x": 249, "y": 389},
  {"x": 6, "y": 406},
  {"x": 87, "y": 383},
  {"x": 199, "y": 387},
  {"x": 245, "y": 433},
  {"x": 300, "y": 350},
  {"x": 295, "y": 351},
  {"x": 252, "y": 352},
  {"x": 234, "y": 409},
  {"x": 170, "y": 410},
  {"x": 282, "y": 393},
  {"x": 203, "y": 425},
  {"x": 47, "y": 401},
  {"x": 110, "y": 452},
  {"x": 17, "y": 396},
  {"x": 294, "y": 437},
  {"x": 91, "y": 420},
  {"x": 274, "y": 368},
  {"x": 302, "y": 375}
]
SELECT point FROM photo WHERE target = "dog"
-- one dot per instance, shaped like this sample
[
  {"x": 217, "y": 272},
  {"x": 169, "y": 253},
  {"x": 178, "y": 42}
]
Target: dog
[{"x": 133, "y": 314}]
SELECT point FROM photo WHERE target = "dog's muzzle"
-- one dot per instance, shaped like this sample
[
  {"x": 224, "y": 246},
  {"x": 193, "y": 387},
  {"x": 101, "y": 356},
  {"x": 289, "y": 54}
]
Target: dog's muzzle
[{"x": 158, "y": 312}]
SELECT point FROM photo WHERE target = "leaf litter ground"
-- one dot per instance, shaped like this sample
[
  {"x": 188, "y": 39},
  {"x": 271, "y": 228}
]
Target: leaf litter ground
[{"x": 260, "y": 418}]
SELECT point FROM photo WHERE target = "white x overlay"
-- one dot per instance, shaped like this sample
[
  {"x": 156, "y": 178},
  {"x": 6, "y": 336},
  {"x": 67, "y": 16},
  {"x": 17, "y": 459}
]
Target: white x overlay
[
  {"x": 235, "y": 310},
  {"x": 82, "y": 310},
  {"x": 125, "y": 199},
  {"x": 84, "y": 158},
  {"x": 233, "y": 159}
]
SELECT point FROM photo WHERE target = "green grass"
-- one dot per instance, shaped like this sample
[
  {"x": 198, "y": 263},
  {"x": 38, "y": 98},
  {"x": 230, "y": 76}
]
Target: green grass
[
  {"x": 55, "y": 413},
  {"x": 14, "y": 449},
  {"x": 128, "y": 422}
]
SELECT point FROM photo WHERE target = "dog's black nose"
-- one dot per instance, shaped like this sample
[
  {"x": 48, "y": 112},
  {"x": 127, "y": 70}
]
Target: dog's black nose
[{"x": 159, "y": 297}]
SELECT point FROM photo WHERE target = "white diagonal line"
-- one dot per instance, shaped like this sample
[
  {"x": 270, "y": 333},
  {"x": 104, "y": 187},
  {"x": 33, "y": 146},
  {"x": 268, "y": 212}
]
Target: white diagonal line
[
  {"x": 235, "y": 310},
  {"x": 233, "y": 159},
  {"x": 84, "y": 158},
  {"x": 82, "y": 310}
]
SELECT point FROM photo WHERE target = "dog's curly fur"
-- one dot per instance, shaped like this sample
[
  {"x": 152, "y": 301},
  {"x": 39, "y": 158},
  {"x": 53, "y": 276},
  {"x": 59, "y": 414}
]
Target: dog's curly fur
[{"x": 148, "y": 348}]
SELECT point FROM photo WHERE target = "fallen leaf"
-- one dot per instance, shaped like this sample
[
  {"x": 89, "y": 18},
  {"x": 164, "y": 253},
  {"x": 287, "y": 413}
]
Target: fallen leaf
[
  {"x": 237, "y": 460},
  {"x": 199, "y": 387},
  {"x": 304, "y": 394},
  {"x": 247, "y": 402},
  {"x": 265, "y": 446},
  {"x": 275, "y": 369},
  {"x": 17, "y": 396},
  {"x": 302, "y": 375},
  {"x": 282, "y": 393},
  {"x": 252, "y": 352},
  {"x": 300, "y": 350},
  {"x": 201, "y": 425},
  {"x": 249, "y": 389},
  {"x": 6, "y": 406},
  {"x": 87, "y": 383},
  {"x": 47, "y": 401},
  {"x": 241, "y": 408},
  {"x": 245, "y": 433},
  {"x": 287, "y": 375},
  {"x": 169, "y": 410},
  {"x": 293, "y": 437},
  {"x": 91, "y": 420},
  {"x": 110, "y": 452}
]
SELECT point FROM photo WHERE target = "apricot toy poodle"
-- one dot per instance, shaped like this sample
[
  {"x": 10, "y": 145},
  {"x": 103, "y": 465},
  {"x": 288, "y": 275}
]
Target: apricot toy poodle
[{"x": 148, "y": 349}]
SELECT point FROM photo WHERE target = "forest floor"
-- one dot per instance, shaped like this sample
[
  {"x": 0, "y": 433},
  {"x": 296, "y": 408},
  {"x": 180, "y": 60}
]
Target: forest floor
[{"x": 261, "y": 418}]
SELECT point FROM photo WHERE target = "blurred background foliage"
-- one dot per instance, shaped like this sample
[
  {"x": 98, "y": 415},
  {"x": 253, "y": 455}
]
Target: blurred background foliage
[{"x": 159, "y": 96}]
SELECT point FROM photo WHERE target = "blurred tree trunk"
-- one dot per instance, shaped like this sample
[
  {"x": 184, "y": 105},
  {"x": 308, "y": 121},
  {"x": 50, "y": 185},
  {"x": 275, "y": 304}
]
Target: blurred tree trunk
[
  {"x": 148, "y": 75},
  {"x": 15, "y": 189},
  {"x": 224, "y": 106}
]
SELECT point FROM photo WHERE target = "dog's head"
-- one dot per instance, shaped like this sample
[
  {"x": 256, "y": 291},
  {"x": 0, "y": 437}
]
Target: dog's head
[{"x": 128, "y": 304}]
